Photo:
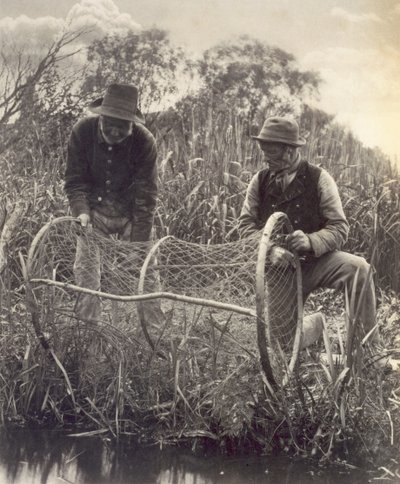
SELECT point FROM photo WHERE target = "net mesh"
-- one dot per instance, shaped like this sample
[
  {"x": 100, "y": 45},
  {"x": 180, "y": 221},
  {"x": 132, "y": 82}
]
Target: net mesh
[
  {"x": 280, "y": 292},
  {"x": 223, "y": 273},
  {"x": 281, "y": 304}
]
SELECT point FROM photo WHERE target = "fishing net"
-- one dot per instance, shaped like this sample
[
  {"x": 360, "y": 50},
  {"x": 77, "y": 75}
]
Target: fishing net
[
  {"x": 142, "y": 282},
  {"x": 279, "y": 308}
]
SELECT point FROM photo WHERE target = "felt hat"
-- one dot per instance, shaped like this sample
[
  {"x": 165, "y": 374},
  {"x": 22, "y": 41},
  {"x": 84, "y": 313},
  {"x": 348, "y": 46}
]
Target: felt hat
[
  {"x": 120, "y": 101},
  {"x": 280, "y": 130}
]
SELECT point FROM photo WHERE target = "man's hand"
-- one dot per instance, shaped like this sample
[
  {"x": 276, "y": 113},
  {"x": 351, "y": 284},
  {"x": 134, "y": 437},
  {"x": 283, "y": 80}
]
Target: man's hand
[
  {"x": 299, "y": 242},
  {"x": 84, "y": 220},
  {"x": 281, "y": 257}
]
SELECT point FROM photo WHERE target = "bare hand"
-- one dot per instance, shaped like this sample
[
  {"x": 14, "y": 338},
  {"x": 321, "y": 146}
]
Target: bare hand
[
  {"x": 298, "y": 241},
  {"x": 281, "y": 257}
]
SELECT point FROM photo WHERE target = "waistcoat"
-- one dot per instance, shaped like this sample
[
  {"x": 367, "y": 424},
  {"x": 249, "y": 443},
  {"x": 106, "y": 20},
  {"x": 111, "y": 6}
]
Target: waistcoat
[{"x": 300, "y": 201}]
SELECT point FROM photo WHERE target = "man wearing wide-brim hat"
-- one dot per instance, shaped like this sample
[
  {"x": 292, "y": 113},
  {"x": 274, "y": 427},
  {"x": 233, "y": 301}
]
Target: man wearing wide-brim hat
[
  {"x": 110, "y": 181},
  {"x": 310, "y": 198}
]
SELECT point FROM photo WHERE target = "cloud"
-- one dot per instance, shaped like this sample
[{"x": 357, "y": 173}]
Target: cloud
[
  {"x": 101, "y": 16},
  {"x": 354, "y": 18},
  {"x": 32, "y": 37},
  {"x": 35, "y": 33}
]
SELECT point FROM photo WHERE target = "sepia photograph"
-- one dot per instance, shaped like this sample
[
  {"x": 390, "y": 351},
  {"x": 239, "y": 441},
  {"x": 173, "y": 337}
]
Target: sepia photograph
[{"x": 199, "y": 241}]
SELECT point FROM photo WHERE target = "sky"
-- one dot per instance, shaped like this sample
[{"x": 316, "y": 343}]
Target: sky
[{"x": 353, "y": 44}]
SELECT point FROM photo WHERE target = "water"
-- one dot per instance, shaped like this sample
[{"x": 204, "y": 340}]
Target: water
[{"x": 28, "y": 457}]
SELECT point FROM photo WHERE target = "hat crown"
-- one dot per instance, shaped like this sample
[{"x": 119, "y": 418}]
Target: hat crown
[
  {"x": 280, "y": 130},
  {"x": 121, "y": 96},
  {"x": 120, "y": 101}
]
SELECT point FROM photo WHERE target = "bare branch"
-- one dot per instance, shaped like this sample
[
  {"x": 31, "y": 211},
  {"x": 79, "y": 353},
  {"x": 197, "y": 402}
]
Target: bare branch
[{"x": 19, "y": 79}]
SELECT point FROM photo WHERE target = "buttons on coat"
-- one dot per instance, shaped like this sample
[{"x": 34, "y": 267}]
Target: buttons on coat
[
  {"x": 99, "y": 199},
  {"x": 108, "y": 173}
]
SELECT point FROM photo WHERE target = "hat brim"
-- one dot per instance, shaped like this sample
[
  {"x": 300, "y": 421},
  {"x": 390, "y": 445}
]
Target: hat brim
[
  {"x": 300, "y": 141},
  {"x": 98, "y": 108}
]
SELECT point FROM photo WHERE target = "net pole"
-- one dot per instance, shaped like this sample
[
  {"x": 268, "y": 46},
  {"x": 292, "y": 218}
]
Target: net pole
[{"x": 147, "y": 297}]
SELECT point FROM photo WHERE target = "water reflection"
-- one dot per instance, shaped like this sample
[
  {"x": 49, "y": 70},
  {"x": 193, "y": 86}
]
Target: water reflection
[{"x": 28, "y": 457}]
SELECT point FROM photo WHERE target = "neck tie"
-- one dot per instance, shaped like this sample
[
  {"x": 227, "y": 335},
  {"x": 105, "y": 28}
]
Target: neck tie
[{"x": 282, "y": 180}]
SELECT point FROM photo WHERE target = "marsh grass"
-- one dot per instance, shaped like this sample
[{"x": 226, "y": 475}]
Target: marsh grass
[
  {"x": 202, "y": 384},
  {"x": 209, "y": 388},
  {"x": 203, "y": 184}
]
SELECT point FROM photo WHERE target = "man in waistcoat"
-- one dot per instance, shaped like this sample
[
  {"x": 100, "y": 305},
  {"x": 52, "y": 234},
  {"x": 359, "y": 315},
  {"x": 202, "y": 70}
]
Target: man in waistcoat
[
  {"x": 111, "y": 185},
  {"x": 310, "y": 198}
]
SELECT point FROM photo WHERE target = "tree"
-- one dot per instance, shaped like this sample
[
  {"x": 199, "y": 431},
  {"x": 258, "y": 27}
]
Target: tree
[
  {"x": 255, "y": 79},
  {"x": 19, "y": 74},
  {"x": 145, "y": 59},
  {"x": 22, "y": 77},
  {"x": 240, "y": 84}
]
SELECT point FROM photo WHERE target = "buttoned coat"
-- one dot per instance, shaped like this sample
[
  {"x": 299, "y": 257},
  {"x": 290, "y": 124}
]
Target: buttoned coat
[{"x": 115, "y": 180}]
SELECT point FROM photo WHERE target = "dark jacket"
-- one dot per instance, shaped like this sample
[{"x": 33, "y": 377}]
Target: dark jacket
[{"x": 118, "y": 180}]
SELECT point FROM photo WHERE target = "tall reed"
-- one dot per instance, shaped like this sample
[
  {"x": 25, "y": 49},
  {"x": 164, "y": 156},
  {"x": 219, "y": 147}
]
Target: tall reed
[{"x": 207, "y": 164}]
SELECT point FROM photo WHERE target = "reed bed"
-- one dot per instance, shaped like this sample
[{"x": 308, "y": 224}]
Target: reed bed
[
  {"x": 202, "y": 385},
  {"x": 202, "y": 190},
  {"x": 208, "y": 388}
]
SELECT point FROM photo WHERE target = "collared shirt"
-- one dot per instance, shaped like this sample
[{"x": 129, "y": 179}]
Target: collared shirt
[
  {"x": 116, "y": 180},
  {"x": 284, "y": 178},
  {"x": 331, "y": 237}
]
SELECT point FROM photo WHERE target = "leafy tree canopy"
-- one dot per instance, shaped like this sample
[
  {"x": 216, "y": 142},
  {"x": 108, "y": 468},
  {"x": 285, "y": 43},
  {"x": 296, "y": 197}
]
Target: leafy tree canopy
[
  {"x": 146, "y": 59},
  {"x": 255, "y": 78}
]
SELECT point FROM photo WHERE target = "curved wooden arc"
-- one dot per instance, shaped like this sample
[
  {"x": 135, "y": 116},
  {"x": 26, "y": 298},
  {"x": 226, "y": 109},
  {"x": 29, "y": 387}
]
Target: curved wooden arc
[
  {"x": 142, "y": 277},
  {"x": 30, "y": 298},
  {"x": 40, "y": 236},
  {"x": 262, "y": 337},
  {"x": 260, "y": 306}
]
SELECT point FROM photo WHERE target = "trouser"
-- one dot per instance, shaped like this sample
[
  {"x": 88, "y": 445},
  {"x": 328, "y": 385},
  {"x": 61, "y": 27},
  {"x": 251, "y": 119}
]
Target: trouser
[
  {"x": 337, "y": 270},
  {"x": 87, "y": 270}
]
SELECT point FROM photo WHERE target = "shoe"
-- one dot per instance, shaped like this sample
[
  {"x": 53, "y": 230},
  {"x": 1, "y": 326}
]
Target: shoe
[{"x": 313, "y": 325}]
